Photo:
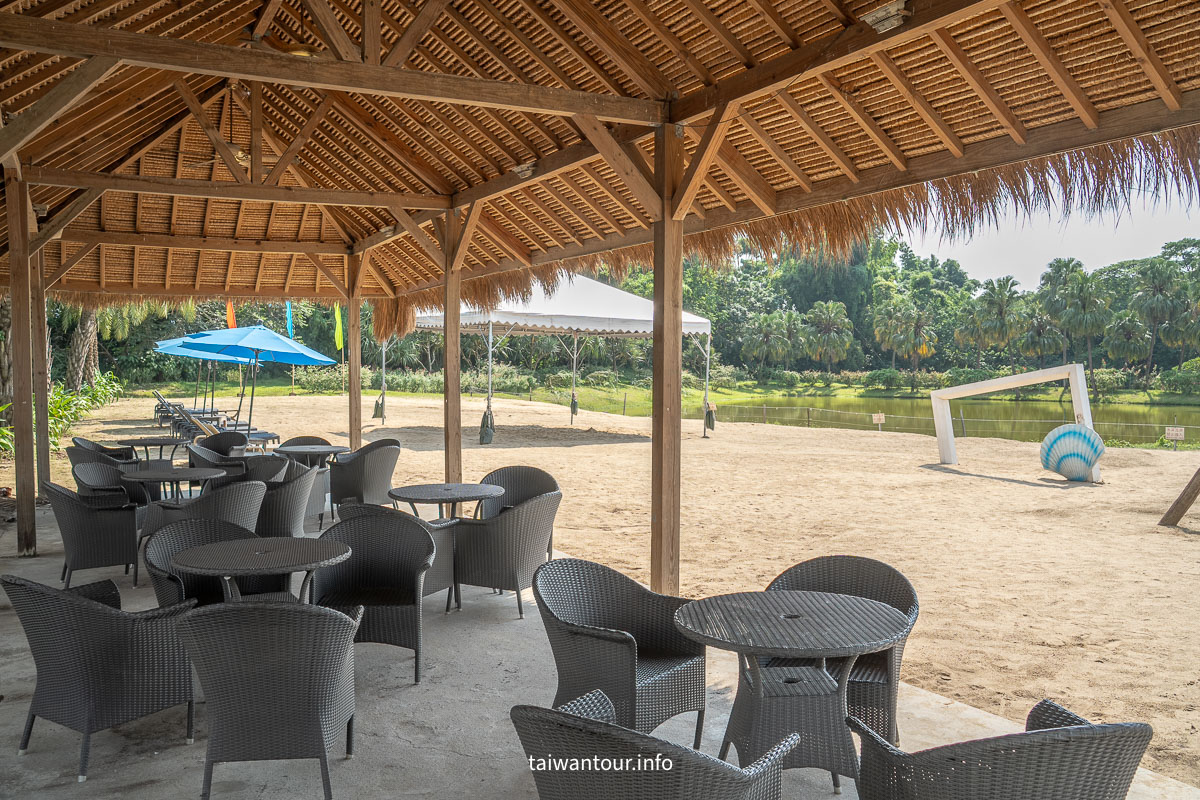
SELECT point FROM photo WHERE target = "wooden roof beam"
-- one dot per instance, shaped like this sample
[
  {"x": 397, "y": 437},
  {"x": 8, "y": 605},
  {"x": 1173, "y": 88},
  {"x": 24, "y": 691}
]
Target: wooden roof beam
[
  {"x": 323, "y": 269},
  {"x": 568, "y": 43},
  {"x": 21, "y": 32},
  {"x": 631, "y": 61},
  {"x": 332, "y": 32},
  {"x": 777, "y": 152},
  {"x": 60, "y": 97},
  {"x": 466, "y": 232},
  {"x": 620, "y": 162},
  {"x": 670, "y": 40},
  {"x": 69, "y": 263},
  {"x": 265, "y": 18},
  {"x": 778, "y": 24},
  {"x": 391, "y": 142},
  {"x": 979, "y": 83},
  {"x": 839, "y": 12},
  {"x": 372, "y": 29},
  {"x": 1143, "y": 53},
  {"x": 818, "y": 135},
  {"x": 416, "y": 30},
  {"x": 586, "y": 198},
  {"x": 504, "y": 239},
  {"x": 865, "y": 121},
  {"x": 223, "y": 244},
  {"x": 1044, "y": 53},
  {"x": 702, "y": 159},
  {"x": 288, "y": 157},
  {"x": 223, "y": 148},
  {"x": 927, "y": 112},
  {"x": 47, "y": 176},
  {"x": 721, "y": 31}
]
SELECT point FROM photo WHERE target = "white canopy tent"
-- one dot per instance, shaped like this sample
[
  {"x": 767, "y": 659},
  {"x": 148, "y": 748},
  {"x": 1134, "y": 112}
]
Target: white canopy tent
[{"x": 580, "y": 306}]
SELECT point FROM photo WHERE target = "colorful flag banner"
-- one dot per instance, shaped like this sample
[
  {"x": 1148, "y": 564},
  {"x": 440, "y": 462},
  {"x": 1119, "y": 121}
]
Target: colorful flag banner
[
  {"x": 290, "y": 329},
  {"x": 337, "y": 331},
  {"x": 230, "y": 319}
]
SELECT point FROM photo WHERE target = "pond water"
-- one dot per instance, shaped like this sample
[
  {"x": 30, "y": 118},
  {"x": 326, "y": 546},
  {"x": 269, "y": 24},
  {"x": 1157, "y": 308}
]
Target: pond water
[{"x": 1026, "y": 420}]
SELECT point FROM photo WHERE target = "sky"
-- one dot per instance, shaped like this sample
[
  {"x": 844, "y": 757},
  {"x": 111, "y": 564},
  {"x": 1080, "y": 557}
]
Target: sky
[{"x": 1022, "y": 248}]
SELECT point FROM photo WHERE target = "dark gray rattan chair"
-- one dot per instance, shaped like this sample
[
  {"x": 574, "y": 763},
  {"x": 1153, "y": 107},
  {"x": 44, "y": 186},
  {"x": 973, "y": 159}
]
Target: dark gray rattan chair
[
  {"x": 238, "y": 503},
  {"x": 96, "y": 531},
  {"x": 587, "y": 728},
  {"x": 101, "y": 480},
  {"x": 83, "y": 455},
  {"x": 278, "y": 679},
  {"x": 285, "y": 505},
  {"x": 226, "y": 443},
  {"x": 502, "y": 552},
  {"x": 363, "y": 476},
  {"x": 265, "y": 468},
  {"x": 119, "y": 452},
  {"x": 316, "y": 502},
  {"x": 1061, "y": 756},
  {"x": 519, "y": 484},
  {"x": 609, "y": 632},
  {"x": 174, "y": 586},
  {"x": 441, "y": 574},
  {"x": 384, "y": 575},
  {"x": 875, "y": 678},
  {"x": 98, "y": 666},
  {"x": 202, "y": 457}
]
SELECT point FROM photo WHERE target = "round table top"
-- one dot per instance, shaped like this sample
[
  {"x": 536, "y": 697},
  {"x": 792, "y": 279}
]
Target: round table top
[
  {"x": 445, "y": 492},
  {"x": 268, "y": 555},
  {"x": 791, "y": 624},
  {"x": 152, "y": 441},
  {"x": 311, "y": 449},
  {"x": 172, "y": 475}
]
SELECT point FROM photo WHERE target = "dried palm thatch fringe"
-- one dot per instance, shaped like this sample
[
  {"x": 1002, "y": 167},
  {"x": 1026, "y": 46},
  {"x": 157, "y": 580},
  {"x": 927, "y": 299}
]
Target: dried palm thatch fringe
[
  {"x": 1101, "y": 178},
  {"x": 96, "y": 300}
]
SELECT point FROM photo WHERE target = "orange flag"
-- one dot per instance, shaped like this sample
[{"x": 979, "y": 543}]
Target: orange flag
[{"x": 230, "y": 320}]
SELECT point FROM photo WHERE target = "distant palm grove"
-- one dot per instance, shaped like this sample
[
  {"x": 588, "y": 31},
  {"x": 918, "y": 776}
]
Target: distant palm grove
[{"x": 882, "y": 316}]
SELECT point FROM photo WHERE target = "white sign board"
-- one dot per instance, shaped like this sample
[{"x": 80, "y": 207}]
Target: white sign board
[
  {"x": 877, "y": 419},
  {"x": 1174, "y": 434}
]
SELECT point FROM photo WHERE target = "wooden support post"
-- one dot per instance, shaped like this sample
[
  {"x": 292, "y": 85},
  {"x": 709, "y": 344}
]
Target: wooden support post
[
  {"x": 40, "y": 341},
  {"x": 452, "y": 369},
  {"x": 16, "y": 198},
  {"x": 1182, "y": 503},
  {"x": 354, "y": 352},
  {"x": 668, "y": 358}
]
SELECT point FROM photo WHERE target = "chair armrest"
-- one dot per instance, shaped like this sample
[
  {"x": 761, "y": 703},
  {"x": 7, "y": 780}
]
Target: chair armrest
[
  {"x": 1048, "y": 714},
  {"x": 772, "y": 758},
  {"x": 164, "y": 612},
  {"x": 593, "y": 705},
  {"x": 105, "y": 592},
  {"x": 660, "y": 627}
]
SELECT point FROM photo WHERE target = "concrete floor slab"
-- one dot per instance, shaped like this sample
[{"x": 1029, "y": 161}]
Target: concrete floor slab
[{"x": 448, "y": 737}]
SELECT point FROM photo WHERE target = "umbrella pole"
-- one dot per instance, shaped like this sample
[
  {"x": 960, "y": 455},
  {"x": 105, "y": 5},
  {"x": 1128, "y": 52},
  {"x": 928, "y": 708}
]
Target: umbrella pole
[
  {"x": 383, "y": 383},
  {"x": 196, "y": 391},
  {"x": 574, "y": 370},
  {"x": 253, "y": 385},
  {"x": 241, "y": 394}
]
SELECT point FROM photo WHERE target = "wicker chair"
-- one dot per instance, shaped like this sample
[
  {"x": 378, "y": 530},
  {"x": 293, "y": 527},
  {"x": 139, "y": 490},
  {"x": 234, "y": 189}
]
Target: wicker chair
[
  {"x": 83, "y": 455},
  {"x": 587, "y": 728},
  {"x": 299, "y": 697},
  {"x": 503, "y": 552},
  {"x": 98, "y": 666},
  {"x": 265, "y": 468},
  {"x": 384, "y": 575},
  {"x": 96, "y": 531},
  {"x": 875, "y": 678},
  {"x": 441, "y": 574},
  {"x": 173, "y": 586},
  {"x": 203, "y": 458},
  {"x": 364, "y": 475},
  {"x": 1061, "y": 755},
  {"x": 609, "y": 632},
  {"x": 101, "y": 480},
  {"x": 238, "y": 503},
  {"x": 519, "y": 484},
  {"x": 285, "y": 506},
  {"x": 120, "y": 453},
  {"x": 316, "y": 502},
  {"x": 226, "y": 443}
]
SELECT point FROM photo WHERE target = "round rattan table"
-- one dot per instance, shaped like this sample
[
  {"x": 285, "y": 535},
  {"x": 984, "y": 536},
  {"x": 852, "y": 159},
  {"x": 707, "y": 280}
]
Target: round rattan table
[
  {"x": 819, "y": 635},
  {"x": 443, "y": 494},
  {"x": 274, "y": 555},
  {"x": 161, "y": 442},
  {"x": 174, "y": 476},
  {"x": 311, "y": 455}
]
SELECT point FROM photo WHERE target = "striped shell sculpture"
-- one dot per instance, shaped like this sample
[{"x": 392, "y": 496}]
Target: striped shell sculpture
[{"x": 1071, "y": 451}]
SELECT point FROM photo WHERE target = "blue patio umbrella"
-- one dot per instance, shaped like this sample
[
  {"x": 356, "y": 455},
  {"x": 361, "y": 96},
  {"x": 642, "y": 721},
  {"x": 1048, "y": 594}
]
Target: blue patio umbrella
[
  {"x": 257, "y": 343},
  {"x": 172, "y": 347}
]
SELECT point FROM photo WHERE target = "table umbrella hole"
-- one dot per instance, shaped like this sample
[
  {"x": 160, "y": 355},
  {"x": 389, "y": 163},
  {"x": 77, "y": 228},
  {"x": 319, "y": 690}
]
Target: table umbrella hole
[{"x": 791, "y": 616}]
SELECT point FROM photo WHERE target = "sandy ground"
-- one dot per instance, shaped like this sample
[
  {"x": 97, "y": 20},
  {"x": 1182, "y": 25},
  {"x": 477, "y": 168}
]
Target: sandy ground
[{"x": 1030, "y": 587}]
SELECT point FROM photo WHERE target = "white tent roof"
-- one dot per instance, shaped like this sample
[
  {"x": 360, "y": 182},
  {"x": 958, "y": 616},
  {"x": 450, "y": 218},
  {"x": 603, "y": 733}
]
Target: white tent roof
[{"x": 579, "y": 305}]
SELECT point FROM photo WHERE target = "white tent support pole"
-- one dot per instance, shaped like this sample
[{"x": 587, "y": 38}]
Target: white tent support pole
[
  {"x": 707, "y": 363},
  {"x": 490, "y": 350},
  {"x": 383, "y": 383},
  {"x": 574, "y": 369}
]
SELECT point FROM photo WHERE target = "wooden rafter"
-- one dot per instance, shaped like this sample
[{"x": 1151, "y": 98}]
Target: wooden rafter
[
  {"x": 302, "y": 137},
  {"x": 323, "y": 269},
  {"x": 630, "y": 173},
  {"x": 568, "y": 43},
  {"x": 1051, "y": 63},
  {"x": 924, "y": 109},
  {"x": 49, "y": 36},
  {"x": 777, "y": 152},
  {"x": 722, "y": 32},
  {"x": 372, "y": 27},
  {"x": 778, "y": 24},
  {"x": 670, "y": 40},
  {"x": 839, "y": 12},
  {"x": 818, "y": 135},
  {"x": 1143, "y": 53},
  {"x": 256, "y": 132},
  {"x": 222, "y": 147},
  {"x": 217, "y": 243},
  {"x": 65, "y": 93},
  {"x": 975, "y": 78},
  {"x": 265, "y": 17},
  {"x": 332, "y": 31},
  {"x": 702, "y": 159},
  {"x": 69, "y": 263},
  {"x": 865, "y": 121},
  {"x": 422, "y": 22},
  {"x": 631, "y": 61}
]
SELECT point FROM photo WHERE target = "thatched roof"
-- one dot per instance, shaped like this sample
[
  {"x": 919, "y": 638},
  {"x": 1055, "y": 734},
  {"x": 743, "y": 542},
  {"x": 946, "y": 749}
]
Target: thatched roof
[{"x": 965, "y": 109}]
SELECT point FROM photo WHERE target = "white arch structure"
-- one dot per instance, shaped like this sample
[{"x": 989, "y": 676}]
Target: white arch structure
[{"x": 943, "y": 422}]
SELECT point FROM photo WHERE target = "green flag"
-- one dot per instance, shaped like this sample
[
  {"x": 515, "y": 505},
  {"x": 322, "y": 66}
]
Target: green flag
[{"x": 337, "y": 331}]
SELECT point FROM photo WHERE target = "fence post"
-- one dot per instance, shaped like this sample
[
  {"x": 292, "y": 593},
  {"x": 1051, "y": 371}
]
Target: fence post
[
  {"x": 963, "y": 420},
  {"x": 624, "y": 404},
  {"x": 764, "y": 413},
  {"x": 808, "y": 413}
]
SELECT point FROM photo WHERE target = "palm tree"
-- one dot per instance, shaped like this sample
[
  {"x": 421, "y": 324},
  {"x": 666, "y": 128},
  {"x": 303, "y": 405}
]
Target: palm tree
[
  {"x": 1154, "y": 301},
  {"x": 1041, "y": 337},
  {"x": 764, "y": 340},
  {"x": 1052, "y": 292},
  {"x": 1127, "y": 339},
  {"x": 887, "y": 326},
  {"x": 969, "y": 332},
  {"x": 793, "y": 332},
  {"x": 1087, "y": 312},
  {"x": 1002, "y": 321},
  {"x": 916, "y": 339},
  {"x": 828, "y": 332},
  {"x": 1182, "y": 330}
]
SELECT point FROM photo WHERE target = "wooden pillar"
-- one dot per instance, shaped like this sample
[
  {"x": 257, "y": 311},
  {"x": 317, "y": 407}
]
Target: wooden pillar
[
  {"x": 40, "y": 344},
  {"x": 354, "y": 349},
  {"x": 16, "y": 197},
  {"x": 666, "y": 427},
  {"x": 452, "y": 369}
]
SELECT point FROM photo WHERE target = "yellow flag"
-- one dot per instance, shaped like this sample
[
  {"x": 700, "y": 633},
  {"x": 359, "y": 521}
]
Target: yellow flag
[{"x": 337, "y": 331}]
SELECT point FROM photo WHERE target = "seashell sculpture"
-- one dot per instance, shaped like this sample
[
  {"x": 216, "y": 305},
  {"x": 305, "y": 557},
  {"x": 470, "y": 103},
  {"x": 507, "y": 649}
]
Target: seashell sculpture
[{"x": 1071, "y": 451}]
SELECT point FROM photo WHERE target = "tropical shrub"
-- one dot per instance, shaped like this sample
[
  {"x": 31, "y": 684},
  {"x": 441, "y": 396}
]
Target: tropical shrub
[
  {"x": 559, "y": 380},
  {"x": 883, "y": 378},
  {"x": 1182, "y": 381},
  {"x": 788, "y": 378},
  {"x": 603, "y": 378},
  {"x": 691, "y": 380},
  {"x": 319, "y": 380},
  {"x": 825, "y": 378},
  {"x": 1108, "y": 381},
  {"x": 723, "y": 376}
]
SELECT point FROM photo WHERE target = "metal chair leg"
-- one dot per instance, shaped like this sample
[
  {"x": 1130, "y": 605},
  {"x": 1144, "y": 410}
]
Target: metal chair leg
[
  {"x": 837, "y": 783},
  {"x": 84, "y": 751},
  {"x": 520, "y": 605},
  {"x": 191, "y": 722},
  {"x": 206, "y": 788},
  {"x": 325, "y": 776},
  {"x": 350, "y": 738},
  {"x": 699, "y": 729},
  {"x": 25, "y": 736}
]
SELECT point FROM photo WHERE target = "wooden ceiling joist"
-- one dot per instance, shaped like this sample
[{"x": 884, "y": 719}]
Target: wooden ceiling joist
[
  {"x": 865, "y": 121},
  {"x": 332, "y": 32},
  {"x": 48, "y": 36},
  {"x": 631, "y": 61},
  {"x": 822, "y": 140},
  {"x": 1143, "y": 53},
  {"x": 70, "y": 263},
  {"x": 223, "y": 148},
  {"x": 924, "y": 109},
  {"x": 422, "y": 22},
  {"x": 1051, "y": 63},
  {"x": 619, "y": 161},
  {"x": 216, "y": 243},
  {"x": 980, "y": 85},
  {"x": 18, "y": 130},
  {"x": 302, "y": 136}
]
